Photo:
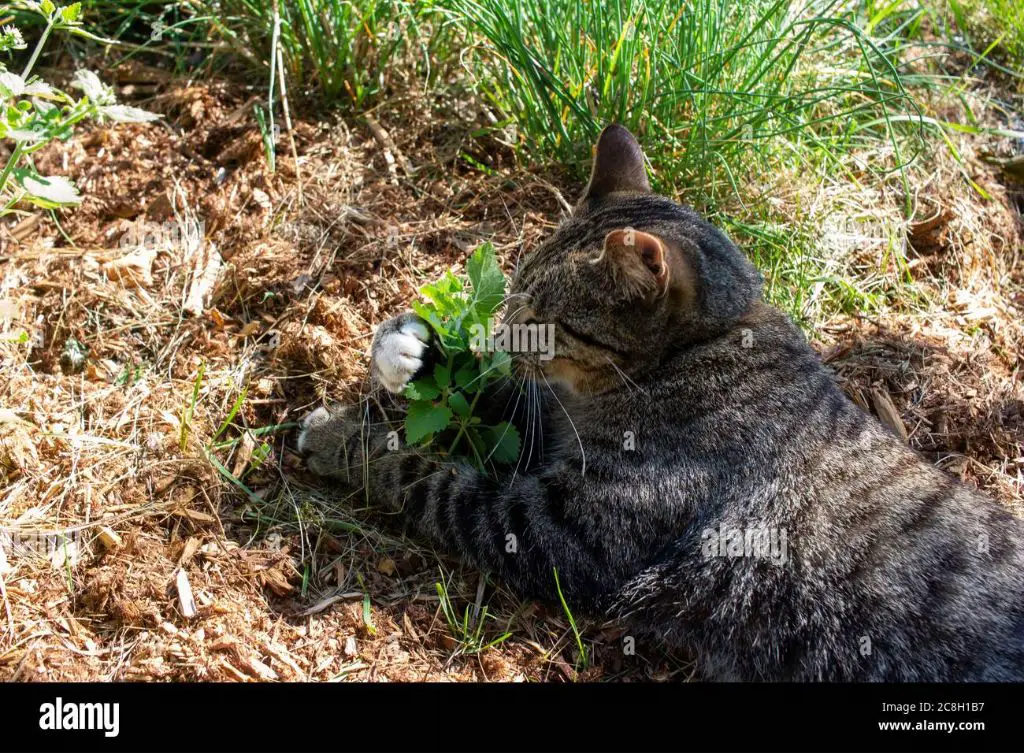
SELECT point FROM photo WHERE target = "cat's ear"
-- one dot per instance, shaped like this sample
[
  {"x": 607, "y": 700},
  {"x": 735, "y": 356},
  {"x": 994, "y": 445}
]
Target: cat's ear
[
  {"x": 637, "y": 261},
  {"x": 618, "y": 165}
]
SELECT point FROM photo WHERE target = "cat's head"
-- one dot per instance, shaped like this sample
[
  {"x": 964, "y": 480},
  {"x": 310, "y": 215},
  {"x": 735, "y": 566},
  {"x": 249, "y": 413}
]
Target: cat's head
[{"x": 627, "y": 279}]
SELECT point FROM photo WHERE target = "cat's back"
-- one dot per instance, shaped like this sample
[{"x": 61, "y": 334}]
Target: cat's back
[{"x": 878, "y": 565}]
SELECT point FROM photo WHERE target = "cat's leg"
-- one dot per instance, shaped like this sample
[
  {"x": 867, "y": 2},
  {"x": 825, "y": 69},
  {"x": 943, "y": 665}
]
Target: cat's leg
[
  {"x": 519, "y": 528},
  {"x": 400, "y": 350}
]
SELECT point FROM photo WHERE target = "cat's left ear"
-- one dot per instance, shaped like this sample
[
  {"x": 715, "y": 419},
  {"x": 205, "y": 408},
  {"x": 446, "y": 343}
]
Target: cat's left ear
[
  {"x": 638, "y": 262},
  {"x": 618, "y": 165}
]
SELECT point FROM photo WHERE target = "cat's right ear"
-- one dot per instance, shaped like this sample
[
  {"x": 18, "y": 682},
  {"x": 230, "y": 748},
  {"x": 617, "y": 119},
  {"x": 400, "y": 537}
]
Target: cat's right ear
[{"x": 618, "y": 165}]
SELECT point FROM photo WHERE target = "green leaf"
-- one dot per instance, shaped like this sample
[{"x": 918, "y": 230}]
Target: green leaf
[
  {"x": 451, "y": 306},
  {"x": 126, "y": 114},
  {"x": 425, "y": 419},
  {"x": 442, "y": 375},
  {"x": 11, "y": 85},
  {"x": 422, "y": 389},
  {"x": 459, "y": 404},
  {"x": 469, "y": 378},
  {"x": 501, "y": 362},
  {"x": 504, "y": 442},
  {"x": 71, "y": 14},
  {"x": 429, "y": 314},
  {"x": 487, "y": 279},
  {"x": 47, "y": 7},
  {"x": 50, "y": 192},
  {"x": 445, "y": 294}
]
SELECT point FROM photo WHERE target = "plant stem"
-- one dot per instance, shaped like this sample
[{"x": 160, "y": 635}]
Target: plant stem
[
  {"x": 9, "y": 168},
  {"x": 37, "y": 50},
  {"x": 465, "y": 422}
]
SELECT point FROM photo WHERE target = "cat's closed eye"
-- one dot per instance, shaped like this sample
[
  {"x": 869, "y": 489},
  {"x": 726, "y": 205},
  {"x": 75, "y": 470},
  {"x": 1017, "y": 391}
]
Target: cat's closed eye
[{"x": 587, "y": 339}]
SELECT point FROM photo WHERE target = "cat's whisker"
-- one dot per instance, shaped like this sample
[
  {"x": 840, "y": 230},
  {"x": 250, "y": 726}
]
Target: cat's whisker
[
  {"x": 512, "y": 296},
  {"x": 626, "y": 379},
  {"x": 508, "y": 317},
  {"x": 516, "y": 393},
  {"x": 534, "y": 412},
  {"x": 540, "y": 424},
  {"x": 573, "y": 425},
  {"x": 531, "y": 398},
  {"x": 481, "y": 375},
  {"x": 522, "y": 446},
  {"x": 498, "y": 443}
]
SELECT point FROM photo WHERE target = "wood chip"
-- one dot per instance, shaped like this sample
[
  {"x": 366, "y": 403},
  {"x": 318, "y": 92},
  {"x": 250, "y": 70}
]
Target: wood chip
[
  {"x": 133, "y": 270},
  {"x": 4, "y": 567},
  {"x": 162, "y": 484},
  {"x": 276, "y": 581},
  {"x": 257, "y": 668},
  {"x": 887, "y": 413},
  {"x": 17, "y": 444},
  {"x": 391, "y": 152},
  {"x": 25, "y": 227},
  {"x": 196, "y": 515},
  {"x": 109, "y": 538},
  {"x": 189, "y": 551},
  {"x": 262, "y": 199},
  {"x": 249, "y": 328},
  {"x": 205, "y": 274},
  {"x": 185, "y": 597},
  {"x": 280, "y": 653},
  {"x": 244, "y": 454},
  {"x": 351, "y": 649},
  {"x": 233, "y": 671},
  {"x": 410, "y": 631}
]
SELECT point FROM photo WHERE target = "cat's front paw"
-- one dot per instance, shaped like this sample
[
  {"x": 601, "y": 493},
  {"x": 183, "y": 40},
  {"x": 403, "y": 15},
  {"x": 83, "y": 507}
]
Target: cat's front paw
[
  {"x": 329, "y": 439},
  {"x": 398, "y": 349}
]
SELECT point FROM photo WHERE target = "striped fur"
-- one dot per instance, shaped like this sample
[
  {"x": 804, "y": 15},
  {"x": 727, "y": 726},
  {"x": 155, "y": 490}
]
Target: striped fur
[{"x": 706, "y": 411}]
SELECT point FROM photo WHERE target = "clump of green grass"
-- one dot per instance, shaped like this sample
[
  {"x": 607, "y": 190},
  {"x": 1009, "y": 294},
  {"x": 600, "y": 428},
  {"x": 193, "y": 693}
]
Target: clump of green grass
[
  {"x": 174, "y": 33},
  {"x": 470, "y": 629},
  {"x": 149, "y": 22},
  {"x": 999, "y": 23},
  {"x": 344, "y": 50},
  {"x": 713, "y": 88}
]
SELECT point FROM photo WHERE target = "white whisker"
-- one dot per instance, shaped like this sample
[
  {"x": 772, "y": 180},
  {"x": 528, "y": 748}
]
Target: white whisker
[
  {"x": 573, "y": 425},
  {"x": 625, "y": 377}
]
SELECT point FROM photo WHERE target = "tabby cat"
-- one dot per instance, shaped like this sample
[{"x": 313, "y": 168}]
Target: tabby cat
[{"x": 702, "y": 477}]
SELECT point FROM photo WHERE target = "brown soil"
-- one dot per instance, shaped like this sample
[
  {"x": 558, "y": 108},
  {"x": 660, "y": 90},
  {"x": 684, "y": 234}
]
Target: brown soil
[{"x": 289, "y": 582}]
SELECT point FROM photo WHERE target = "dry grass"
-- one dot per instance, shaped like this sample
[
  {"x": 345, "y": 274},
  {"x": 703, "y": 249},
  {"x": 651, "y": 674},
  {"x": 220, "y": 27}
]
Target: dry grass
[{"x": 135, "y": 453}]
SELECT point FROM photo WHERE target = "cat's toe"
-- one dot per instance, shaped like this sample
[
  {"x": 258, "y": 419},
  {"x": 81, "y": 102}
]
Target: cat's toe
[
  {"x": 400, "y": 355},
  {"x": 416, "y": 328},
  {"x": 324, "y": 439},
  {"x": 308, "y": 426}
]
